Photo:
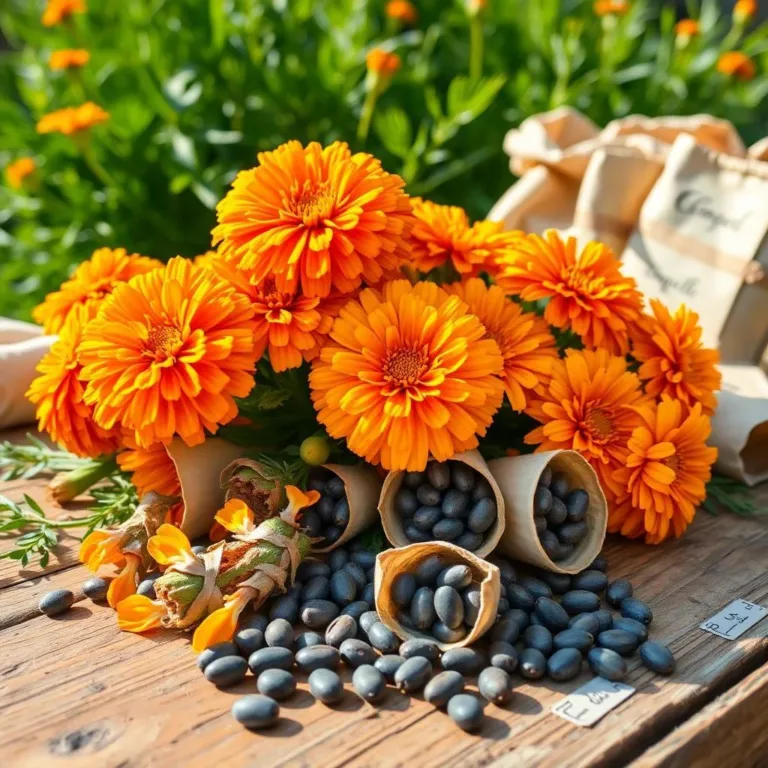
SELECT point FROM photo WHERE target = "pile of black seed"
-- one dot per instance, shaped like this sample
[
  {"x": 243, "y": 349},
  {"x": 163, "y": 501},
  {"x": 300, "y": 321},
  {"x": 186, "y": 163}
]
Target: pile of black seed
[
  {"x": 559, "y": 513},
  {"x": 329, "y": 517},
  {"x": 450, "y": 501}
]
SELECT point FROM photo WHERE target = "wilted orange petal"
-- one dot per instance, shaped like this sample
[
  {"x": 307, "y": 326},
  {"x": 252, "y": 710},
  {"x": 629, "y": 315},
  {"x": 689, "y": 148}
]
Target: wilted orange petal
[
  {"x": 137, "y": 613},
  {"x": 220, "y": 626},
  {"x": 125, "y": 584},
  {"x": 236, "y": 516},
  {"x": 169, "y": 546}
]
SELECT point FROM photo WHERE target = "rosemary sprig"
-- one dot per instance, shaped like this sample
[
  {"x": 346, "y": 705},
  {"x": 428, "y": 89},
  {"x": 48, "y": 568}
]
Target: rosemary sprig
[
  {"x": 726, "y": 494},
  {"x": 34, "y": 458}
]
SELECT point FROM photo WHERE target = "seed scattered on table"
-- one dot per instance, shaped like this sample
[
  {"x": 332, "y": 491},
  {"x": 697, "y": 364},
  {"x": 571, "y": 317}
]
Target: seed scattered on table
[{"x": 56, "y": 602}]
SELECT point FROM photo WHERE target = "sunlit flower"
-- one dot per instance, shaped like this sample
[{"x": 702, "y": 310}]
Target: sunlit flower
[
  {"x": 736, "y": 64},
  {"x": 687, "y": 28},
  {"x": 674, "y": 362},
  {"x": 170, "y": 546},
  {"x": 587, "y": 292},
  {"x": 585, "y": 407},
  {"x": 314, "y": 217},
  {"x": 611, "y": 7},
  {"x": 527, "y": 346},
  {"x": 69, "y": 58},
  {"x": 101, "y": 547},
  {"x": 57, "y": 11},
  {"x": 124, "y": 584},
  {"x": 402, "y": 10},
  {"x": 137, "y": 613},
  {"x": 168, "y": 353},
  {"x": 476, "y": 6},
  {"x": 71, "y": 120},
  {"x": 207, "y": 259},
  {"x": 19, "y": 170},
  {"x": 408, "y": 374},
  {"x": 59, "y": 395},
  {"x": 236, "y": 517},
  {"x": 90, "y": 284},
  {"x": 666, "y": 472},
  {"x": 382, "y": 63},
  {"x": 220, "y": 626},
  {"x": 744, "y": 10}
]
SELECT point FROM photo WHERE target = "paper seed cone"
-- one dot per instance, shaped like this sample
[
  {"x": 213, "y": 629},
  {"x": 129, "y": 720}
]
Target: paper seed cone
[
  {"x": 517, "y": 478},
  {"x": 393, "y": 523},
  {"x": 392, "y": 562}
]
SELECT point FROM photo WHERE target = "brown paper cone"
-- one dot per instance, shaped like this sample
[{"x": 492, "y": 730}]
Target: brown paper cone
[
  {"x": 392, "y": 562},
  {"x": 393, "y": 523},
  {"x": 199, "y": 471},
  {"x": 362, "y": 485},
  {"x": 517, "y": 478}
]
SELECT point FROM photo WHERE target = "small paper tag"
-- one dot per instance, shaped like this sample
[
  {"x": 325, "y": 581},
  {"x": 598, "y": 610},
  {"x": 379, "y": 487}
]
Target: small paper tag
[
  {"x": 735, "y": 619},
  {"x": 590, "y": 703}
]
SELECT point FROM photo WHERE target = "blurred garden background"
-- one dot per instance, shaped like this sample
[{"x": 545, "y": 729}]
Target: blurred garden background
[{"x": 181, "y": 94}]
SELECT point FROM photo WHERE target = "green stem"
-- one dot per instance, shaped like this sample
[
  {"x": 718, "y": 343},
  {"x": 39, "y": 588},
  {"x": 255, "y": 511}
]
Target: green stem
[
  {"x": 78, "y": 481},
  {"x": 95, "y": 166},
  {"x": 366, "y": 115},
  {"x": 476, "y": 47}
]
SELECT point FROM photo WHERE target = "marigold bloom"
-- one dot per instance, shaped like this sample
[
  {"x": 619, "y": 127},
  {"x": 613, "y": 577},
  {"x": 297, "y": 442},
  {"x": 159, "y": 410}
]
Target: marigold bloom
[
  {"x": 137, "y": 613},
  {"x": 236, "y": 517},
  {"x": 168, "y": 353},
  {"x": 408, "y": 374},
  {"x": 401, "y": 10},
  {"x": 674, "y": 362},
  {"x": 611, "y": 7},
  {"x": 220, "y": 626},
  {"x": 585, "y": 407},
  {"x": 69, "y": 58},
  {"x": 60, "y": 396},
  {"x": 527, "y": 346},
  {"x": 744, "y": 10},
  {"x": 687, "y": 28},
  {"x": 57, "y": 11},
  {"x": 101, "y": 547},
  {"x": 587, "y": 293},
  {"x": 91, "y": 283},
  {"x": 736, "y": 64},
  {"x": 207, "y": 259},
  {"x": 170, "y": 546},
  {"x": 319, "y": 218},
  {"x": 71, "y": 120},
  {"x": 382, "y": 63},
  {"x": 124, "y": 584},
  {"x": 666, "y": 472},
  {"x": 18, "y": 170}
]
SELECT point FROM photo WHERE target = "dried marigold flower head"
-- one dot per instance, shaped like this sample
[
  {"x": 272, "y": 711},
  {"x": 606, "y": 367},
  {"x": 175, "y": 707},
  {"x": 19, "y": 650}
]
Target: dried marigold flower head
[
  {"x": 673, "y": 360},
  {"x": 92, "y": 281},
  {"x": 72, "y": 120},
  {"x": 687, "y": 28},
  {"x": 587, "y": 292},
  {"x": 168, "y": 353},
  {"x": 610, "y": 7},
  {"x": 744, "y": 10},
  {"x": 316, "y": 220},
  {"x": 19, "y": 170},
  {"x": 402, "y": 10},
  {"x": 382, "y": 63},
  {"x": 736, "y": 64},
  {"x": 69, "y": 58},
  {"x": 57, "y": 11},
  {"x": 408, "y": 374},
  {"x": 526, "y": 344}
]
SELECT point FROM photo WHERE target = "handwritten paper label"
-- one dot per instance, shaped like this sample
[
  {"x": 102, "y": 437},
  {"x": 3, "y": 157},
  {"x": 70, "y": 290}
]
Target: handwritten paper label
[
  {"x": 735, "y": 619},
  {"x": 593, "y": 701}
]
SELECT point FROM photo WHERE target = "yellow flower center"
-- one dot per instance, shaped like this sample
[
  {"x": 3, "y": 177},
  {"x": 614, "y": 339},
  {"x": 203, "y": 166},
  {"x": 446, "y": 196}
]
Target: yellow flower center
[
  {"x": 163, "y": 341},
  {"x": 673, "y": 462},
  {"x": 599, "y": 424},
  {"x": 312, "y": 205},
  {"x": 405, "y": 366}
]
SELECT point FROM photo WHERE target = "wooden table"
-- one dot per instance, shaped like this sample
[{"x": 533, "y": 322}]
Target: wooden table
[{"x": 74, "y": 691}]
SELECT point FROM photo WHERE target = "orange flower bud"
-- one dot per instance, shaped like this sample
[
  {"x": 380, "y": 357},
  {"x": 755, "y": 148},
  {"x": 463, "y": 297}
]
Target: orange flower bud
[
  {"x": 17, "y": 171},
  {"x": 401, "y": 10},
  {"x": 687, "y": 28},
  {"x": 736, "y": 64},
  {"x": 744, "y": 10},
  {"x": 611, "y": 7},
  {"x": 69, "y": 58},
  {"x": 382, "y": 63}
]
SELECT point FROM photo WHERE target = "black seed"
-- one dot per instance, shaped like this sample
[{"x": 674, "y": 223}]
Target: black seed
[
  {"x": 367, "y": 620},
  {"x": 413, "y": 480},
  {"x": 507, "y": 630},
  {"x": 256, "y": 711},
  {"x": 418, "y": 646},
  {"x": 592, "y": 581},
  {"x": 469, "y": 540},
  {"x": 519, "y": 615},
  {"x": 312, "y": 523},
  {"x": 657, "y": 657},
  {"x": 558, "y": 513},
  {"x": 539, "y": 638},
  {"x": 338, "y": 559},
  {"x": 448, "y": 530},
  {"x": 564, "y": 552},
  {"x": 426, "y": 518},
  {"x": 343, "y": 588},
  {"x": 326, "y": 686},
  {"x": 406, "y": 502},
  {"x": 574, "y": 638},
  {"x": 536, "y": 587},
  {"x": 358, "y": 574},
  {"x": 577, "y": 504},
  {"x": 482, "y": 489},
  {"x": 580, "y": 601},
  {"x": 604, "y": 618},
  {"x": 356, "y": 609},
  {"x": 96, "y": 588},
  {"x": 369, "y": 596},
  {"x": 532, "y": 664},
  {"x": 535, "y": 621},
  {"x": 462, "y": 476},
  {"x": 456, "y": 576},
  {"x": 335, "y": 487},
  {"x": 427, "y": 571},
  {"x": 564, "y": 664},
  {"x": 318, "y": 614},
  {"x": 495, "y": 685},
  {"x": 445, "y": 634},
  {"x": 471, "y": 599},
  {"x": 218, "y": 651},
  {"x": 428, "y": 496},
  {"x": 340, "y": 629},
  {"x": 249, "y": 641},
  {"x": 369, "y": 683},
  {"x": 542, "y": 501},
  {"x": 559, "y": 583},
  {"x": 632, "y": 608},
  {"x": 560, "y": 486},
  {"x": 317, "y": 657},
  {"x": 442, "y": 687},
  {"x": 279, "y": 684},
  {"x": 482, "y": 516},
  {"x": 546, "y": 477},
  {"x": 279, "y": 634},
  {"x": 413, "y": 674},
  {"x": 317, "y": 483},
  {"x": 318, "y": 588},
  {"x": 341, "y": 513},
  {"x": 449, "y": 606},
  {"x": 294, "y": 592},
  {"x": 56, "y": 602},
  {"x": 284, "y": 607},
  {"x": 633, "y": 626},
  {"x": 466, "y": 661},
  {"x": 587, "y": 622},
  {"x": 520, "y": 597},
  {"x": 552, "y": 615},
  {"x": 403, "y": 588},
  {"x": 455, "y": 504},
  {"x": 572, "y": 533},
  {"x": 466, "y": 711},
  {"x": 550, "y": 544},
  {"x": 624, "y": 643},
  {"x": 383, "y": 639},
  {"x": 332, "y": 534},
  {"x": 607, "y": 663},
  {"x": 439, "y": 474},
  {"x": 147, "y": 589},
  {"x": 309, "y": 640},
  {"x": 617, "y": 592},
  {"x": 226, "y": 671},
  {"x": 356, "y": 652},
  {"x": 504, "y": 656},
  {"x": 311, "y": 569},
  {"x": 540, "y": 524},
  {"x": 325, "y": 507},
  {"x": 270, "y": 658},
  {"x": 413, "y": 534},
  {"x": 364, "y": 558},
  {"x": 599, "y": 563},
  {"x": 388, "y": 665}
]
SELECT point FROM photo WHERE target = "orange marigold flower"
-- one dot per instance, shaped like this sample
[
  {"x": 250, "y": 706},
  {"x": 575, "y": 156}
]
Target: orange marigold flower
[
  {"x": 57, "y": 11},
  {"x": 674, "y": 362},
  {"x": 736, "y": 64},
  {"x": 168, "y": 353},
  {"x": 381, "y": 62},
  {"x": 666, "y": 472},
  {"x": 442, "y": 233},
  {"x": 71, "y": 120},
  {"x": 585, "y": 407},
  {"x": 69, "y": 58},
  {"x": 319, "y": 218},
  {"x": 17, "y": 171},
  {"x": 587, "y": 293},
  {"x": 101, "y": 547},
  {"x": 611, "y": 7},
  {"x": 124, "y": 585},
  {"x": 137, "y": 613},
  {"x": 207, "y": 259},
  {"x": 59, "y": 395},
  {"x": 220, "y": 626},
  {"x": 401, "y": 10},
  {"x": 91, "y": 283},
  {"x": 408, "y": 374},
  {"x": 744, "y": 10},
  {"x": 687, "y": 28},
  {"x": 527, "y": 346}
]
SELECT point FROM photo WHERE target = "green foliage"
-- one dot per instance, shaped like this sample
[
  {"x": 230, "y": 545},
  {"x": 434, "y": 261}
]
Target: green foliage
[
  {"x": 728, "y": 495},
  {"x": 195, "y": 89},
  {"x": 34, "y": 458}
]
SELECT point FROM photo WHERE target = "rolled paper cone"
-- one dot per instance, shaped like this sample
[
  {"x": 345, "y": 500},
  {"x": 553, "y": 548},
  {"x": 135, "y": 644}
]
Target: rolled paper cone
[
  {"x": 392, "y": 562},
  {"x": 517, "y": 477},
  {"x": 199, "y": 469},
  {"x": 362, "y": 485},
  {"x": 18, "y": 369},
  {"x": 393, "y": 522}
]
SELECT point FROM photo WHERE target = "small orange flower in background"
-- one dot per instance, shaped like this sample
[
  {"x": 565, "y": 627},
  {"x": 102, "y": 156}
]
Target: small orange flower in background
[
  {"x": 72, "y": 120},
  {"x": 315, "y": 220},
  {"x": 69, "y": 58},
  {"x": 90, "y": 284},
  {"x": 475, "y": 6},
  {"x": 744, "y": 10},
  {"x": 674, "y": 362},
  {"x": 381, "y": 62},
  {"x": 168, "y": 353},
  {"x": 611, "y": 7},
  {"x": 407, "y": 375},
  {"x": 402, "y": 10},
  {"x": 527, "y": 346},
  {"x": 585, "y": 407},
  {"x": 17, "y": 171},
  {"x": 666, "y": 472},
  {"x": 57, "y": 11},
  {"x": 443, "y": 234},
  {"x": 736, "y": 64},
  {"x": 687, "y": 28},
  {"x": 60, "y": 396},
  {"x": 587, "y": 293}
]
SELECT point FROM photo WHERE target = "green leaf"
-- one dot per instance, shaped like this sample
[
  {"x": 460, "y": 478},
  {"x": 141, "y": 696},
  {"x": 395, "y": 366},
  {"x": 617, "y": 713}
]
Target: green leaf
[
  {"x": 394, "y": 129},
  {"x": 467, "y": 98},
  {"x": 32, "y": 504}
]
